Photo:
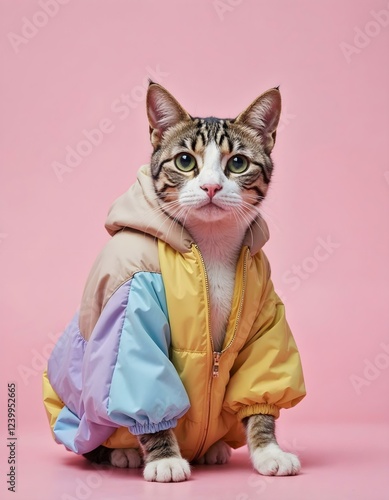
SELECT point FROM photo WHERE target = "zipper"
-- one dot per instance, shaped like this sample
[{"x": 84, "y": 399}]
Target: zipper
[
  {"x": 215, "y": 359},
  {"x": 216, "y": 354},
  {"x": 215, "y": 367}
]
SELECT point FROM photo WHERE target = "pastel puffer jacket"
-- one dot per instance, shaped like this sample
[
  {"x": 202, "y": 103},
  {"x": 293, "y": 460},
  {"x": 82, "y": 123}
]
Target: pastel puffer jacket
[{"x": 138, "y": 356}]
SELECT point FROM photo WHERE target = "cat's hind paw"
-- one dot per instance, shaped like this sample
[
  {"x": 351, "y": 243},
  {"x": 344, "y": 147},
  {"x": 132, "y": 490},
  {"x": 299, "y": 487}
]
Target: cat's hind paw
[
  {"x": 218, "y": 453},
  {"x": 166, "y": 470},
  {"x": 125, "y": 458},
  {"x": 272, "y": 461}
]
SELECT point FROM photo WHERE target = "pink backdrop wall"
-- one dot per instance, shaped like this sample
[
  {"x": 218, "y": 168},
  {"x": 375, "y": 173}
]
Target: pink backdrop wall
[{"x": 67, "y": 72}]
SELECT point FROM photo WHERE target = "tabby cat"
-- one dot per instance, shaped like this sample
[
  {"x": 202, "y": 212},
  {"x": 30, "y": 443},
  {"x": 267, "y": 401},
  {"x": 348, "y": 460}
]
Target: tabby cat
[{"x": 210, "y": 175}]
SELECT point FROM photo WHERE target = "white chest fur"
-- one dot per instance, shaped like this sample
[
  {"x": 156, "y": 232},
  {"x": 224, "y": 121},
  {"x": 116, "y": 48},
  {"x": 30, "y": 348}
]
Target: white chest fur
[
  {"x": 220, "y": 251},
  {"x": 221, "y": 278}
]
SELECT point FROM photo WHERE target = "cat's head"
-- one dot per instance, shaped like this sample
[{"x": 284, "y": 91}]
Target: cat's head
[{"x": 211, "y": 169}]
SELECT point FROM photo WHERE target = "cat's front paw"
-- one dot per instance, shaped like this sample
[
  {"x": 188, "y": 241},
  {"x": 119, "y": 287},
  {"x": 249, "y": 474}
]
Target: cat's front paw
[
  {"x": 272, "y": 461},
  {"x": 166, "y": 470},
  {"x": 218, "y": 453},
  {"x": 125, "y": 458}
]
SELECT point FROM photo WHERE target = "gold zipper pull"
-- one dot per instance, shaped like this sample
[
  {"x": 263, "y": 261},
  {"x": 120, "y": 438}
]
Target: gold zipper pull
[{"x": 216, "y": 360}]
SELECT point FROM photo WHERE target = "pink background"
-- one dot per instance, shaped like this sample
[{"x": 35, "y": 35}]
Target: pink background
[{"x": 331, "y": 178}]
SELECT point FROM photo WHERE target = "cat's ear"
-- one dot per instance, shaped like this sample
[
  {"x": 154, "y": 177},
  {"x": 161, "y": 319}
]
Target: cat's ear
[
  {"x": 163, "y": 111},
  {"x": 263, "y": 116}
]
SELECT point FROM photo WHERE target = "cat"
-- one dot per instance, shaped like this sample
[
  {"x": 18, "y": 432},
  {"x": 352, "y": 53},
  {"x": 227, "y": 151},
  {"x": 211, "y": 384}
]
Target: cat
[{"x": 210, "y": 175}]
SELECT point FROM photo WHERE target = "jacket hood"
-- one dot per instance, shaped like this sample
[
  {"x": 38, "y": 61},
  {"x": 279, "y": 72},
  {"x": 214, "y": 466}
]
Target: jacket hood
[{"x": 138, "y": 209}]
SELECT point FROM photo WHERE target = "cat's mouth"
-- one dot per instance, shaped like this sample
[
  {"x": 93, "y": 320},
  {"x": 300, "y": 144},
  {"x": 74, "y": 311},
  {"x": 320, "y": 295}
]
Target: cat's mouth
[
  {"x": 209, "y": 210},
  {"x": 211, "y": 204}
]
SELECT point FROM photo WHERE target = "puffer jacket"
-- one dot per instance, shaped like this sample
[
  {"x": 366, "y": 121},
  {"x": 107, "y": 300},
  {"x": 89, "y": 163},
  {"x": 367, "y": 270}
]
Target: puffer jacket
[{"x": 138, "y": 357}]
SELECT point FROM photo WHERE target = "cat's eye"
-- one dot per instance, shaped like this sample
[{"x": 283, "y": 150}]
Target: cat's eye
[
  {"x": 185, "y": 162},
  {"x": 238, "y": 164}
]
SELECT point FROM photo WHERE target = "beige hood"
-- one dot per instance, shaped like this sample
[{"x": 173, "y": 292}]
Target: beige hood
[{"x": 138, "y": 208}]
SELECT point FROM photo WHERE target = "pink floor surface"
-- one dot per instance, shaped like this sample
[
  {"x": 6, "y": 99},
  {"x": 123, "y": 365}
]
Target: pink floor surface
[{"x": 340, "y": 462}]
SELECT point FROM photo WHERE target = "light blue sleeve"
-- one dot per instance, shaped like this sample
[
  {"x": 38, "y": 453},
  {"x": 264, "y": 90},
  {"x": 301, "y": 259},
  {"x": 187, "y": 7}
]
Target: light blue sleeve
[{"x": 146, "y": 393}]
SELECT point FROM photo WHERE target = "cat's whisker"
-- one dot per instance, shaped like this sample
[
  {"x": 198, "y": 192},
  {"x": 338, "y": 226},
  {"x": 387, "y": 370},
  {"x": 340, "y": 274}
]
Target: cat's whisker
[
  {"x": 274, "y": 221},
  {"x": 267, "y": 210},
  {"x": 249, "y": 219},
  {"x": 264, "y": 233},
  {"x": 240, "y": 217},
  {"x": 262, "y": 212},
  {"x": 175, "y": 217},
  {"x": 157, "y": 212},
  {"x": 184, "y": 221},
  {"x": 246, "y": 222}
]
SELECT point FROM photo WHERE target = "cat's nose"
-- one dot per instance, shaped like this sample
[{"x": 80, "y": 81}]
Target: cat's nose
[{"x": 211, "y": 189}]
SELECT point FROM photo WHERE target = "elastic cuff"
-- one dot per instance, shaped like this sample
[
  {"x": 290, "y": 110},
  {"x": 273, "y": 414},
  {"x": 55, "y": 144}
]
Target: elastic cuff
[
  {"x": 261, "y": 408},
  {"x": 152, "y": 428}
]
